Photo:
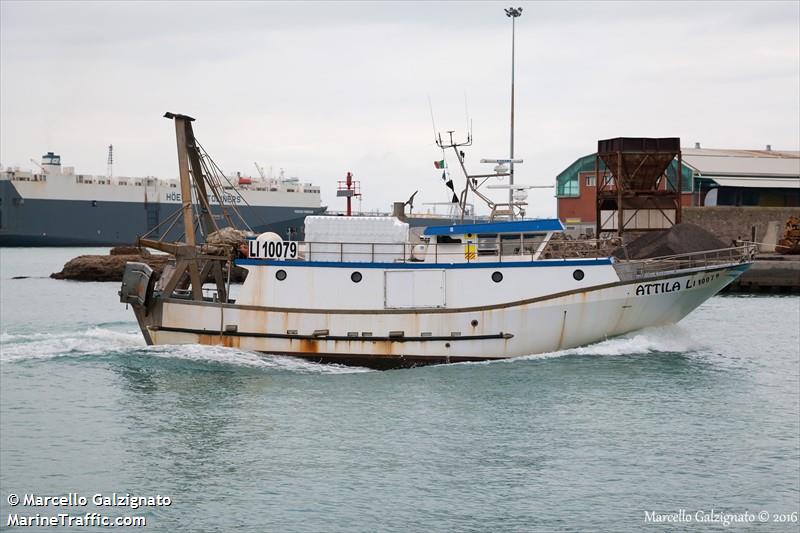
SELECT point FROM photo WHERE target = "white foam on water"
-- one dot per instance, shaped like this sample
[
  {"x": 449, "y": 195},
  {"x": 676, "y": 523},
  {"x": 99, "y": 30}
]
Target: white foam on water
[
  {"x": 92, "y": 341},
  {"x": 232, "y": 356},
  {"x": 101, "y": 341},
  {"x": 662, "y": 339}
]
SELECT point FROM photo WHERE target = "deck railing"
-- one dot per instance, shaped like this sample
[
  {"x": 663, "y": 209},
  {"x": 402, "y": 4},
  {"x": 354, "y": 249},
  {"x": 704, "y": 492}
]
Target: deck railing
[
  {"x": 508, "y": 251},
  {"x": 479, "y": 250},
  {"x": 516, "y": 251},
  {"x": 646, "y": 268}
]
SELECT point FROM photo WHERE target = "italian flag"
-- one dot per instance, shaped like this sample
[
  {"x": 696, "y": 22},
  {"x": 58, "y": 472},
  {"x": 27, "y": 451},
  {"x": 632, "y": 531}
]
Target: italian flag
[{"x": 439, "y": 164}]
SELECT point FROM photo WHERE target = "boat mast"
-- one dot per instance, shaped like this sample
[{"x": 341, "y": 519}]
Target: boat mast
[
  {"x": 500, "y": 170},
  {"x": 189, "y": 257},
  {"x": 462, "y": 200},
  {"x": 188, "y": 213},
  {"x": 512, "y": 13},
  {"x": 183, "y": 170}
]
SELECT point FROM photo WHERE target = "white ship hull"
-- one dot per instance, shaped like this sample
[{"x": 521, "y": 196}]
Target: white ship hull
[
  {"x": 397, "y": 338},
  {"x": 60, "y": 208}
]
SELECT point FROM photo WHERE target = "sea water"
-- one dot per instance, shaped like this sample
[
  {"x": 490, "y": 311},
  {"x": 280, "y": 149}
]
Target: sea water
[{"x": 692, "y": 425}]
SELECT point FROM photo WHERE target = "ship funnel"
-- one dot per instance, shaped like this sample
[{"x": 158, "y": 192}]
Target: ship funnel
[{"x": 399, "y": 211}]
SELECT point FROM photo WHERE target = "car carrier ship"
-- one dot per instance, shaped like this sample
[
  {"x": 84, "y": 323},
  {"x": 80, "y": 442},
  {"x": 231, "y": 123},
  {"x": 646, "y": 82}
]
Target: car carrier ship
[{"x": 54, "y": 206}]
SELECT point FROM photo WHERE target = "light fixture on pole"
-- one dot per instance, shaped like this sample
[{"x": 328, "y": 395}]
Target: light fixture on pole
[{"x": 512, "y": 13}]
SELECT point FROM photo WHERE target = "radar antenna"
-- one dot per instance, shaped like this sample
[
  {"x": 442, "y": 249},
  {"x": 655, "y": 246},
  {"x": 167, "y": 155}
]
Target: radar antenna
[{"x": 410, "y": 202}]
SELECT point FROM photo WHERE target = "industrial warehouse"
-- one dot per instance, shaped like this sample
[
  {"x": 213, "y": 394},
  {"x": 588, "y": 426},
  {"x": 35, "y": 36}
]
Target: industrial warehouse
[
  {"x": 710, "y": 177},
  {"x": 738, "y": 195}
]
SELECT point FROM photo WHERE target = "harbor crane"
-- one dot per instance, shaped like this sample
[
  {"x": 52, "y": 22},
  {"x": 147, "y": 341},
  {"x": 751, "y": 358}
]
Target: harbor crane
[
  {"x": 260, "y": 171},
  {"x": 38, "y": 165}
]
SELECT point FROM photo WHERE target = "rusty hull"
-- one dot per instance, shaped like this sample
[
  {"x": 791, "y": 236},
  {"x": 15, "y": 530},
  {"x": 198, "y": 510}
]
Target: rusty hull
[{"x": 389, "y": 339}]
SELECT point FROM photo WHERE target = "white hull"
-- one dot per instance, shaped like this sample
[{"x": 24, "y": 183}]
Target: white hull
[{"x": 536, "y": 325}]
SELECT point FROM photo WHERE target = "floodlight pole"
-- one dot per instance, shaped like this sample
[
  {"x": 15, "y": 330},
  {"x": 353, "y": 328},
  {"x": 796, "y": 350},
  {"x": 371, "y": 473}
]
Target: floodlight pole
[{"x": 512, "y": 13}]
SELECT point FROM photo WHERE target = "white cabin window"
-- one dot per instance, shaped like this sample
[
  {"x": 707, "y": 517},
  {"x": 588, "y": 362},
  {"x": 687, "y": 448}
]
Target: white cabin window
[{"x": 591, "y": 181}]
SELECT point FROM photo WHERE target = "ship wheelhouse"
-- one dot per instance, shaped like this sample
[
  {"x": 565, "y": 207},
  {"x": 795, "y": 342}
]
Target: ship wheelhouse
[{"x": 491, "y": 242}]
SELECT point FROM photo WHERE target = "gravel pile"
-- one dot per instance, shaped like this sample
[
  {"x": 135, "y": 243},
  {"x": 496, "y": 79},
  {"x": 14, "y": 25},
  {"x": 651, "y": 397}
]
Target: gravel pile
[{"x": 679, "y": 239}]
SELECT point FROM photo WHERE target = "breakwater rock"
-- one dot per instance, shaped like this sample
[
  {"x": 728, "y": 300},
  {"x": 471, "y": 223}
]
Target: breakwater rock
[{"x": 110, "y": 267}]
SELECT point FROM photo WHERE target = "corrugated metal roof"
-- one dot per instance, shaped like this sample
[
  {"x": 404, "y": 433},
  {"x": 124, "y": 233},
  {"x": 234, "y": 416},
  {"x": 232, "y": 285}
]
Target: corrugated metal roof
[
  {"x": 745, "y": 163},
  {"x": 755, "y": 182},
  {"x": 707, "y": 163},
  {"x": 740, "y": 153},
  {"x": 582, "y": 164}
]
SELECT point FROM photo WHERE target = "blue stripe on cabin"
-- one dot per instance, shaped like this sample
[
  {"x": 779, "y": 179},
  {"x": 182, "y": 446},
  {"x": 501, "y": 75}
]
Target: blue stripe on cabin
[{"x": 514, "y": 226}]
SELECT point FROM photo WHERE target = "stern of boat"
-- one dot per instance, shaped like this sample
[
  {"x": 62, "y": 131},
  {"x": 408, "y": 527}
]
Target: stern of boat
[{"x": 138, "y": 283}]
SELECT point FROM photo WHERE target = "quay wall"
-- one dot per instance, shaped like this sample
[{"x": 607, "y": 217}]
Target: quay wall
[
  {"x": 730, "y": 223},
  {"x": 770, "y": 273},
  {"x": 765, "y": 225}
]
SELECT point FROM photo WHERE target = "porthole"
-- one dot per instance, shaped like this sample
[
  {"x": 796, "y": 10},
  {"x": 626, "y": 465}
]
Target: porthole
[
  {"x": 578, "y": 274},
  {"x": 497, "y": 277},
  {"x": 474, "y": 323},
  {"x": 355, "y": 277},
  {"x": 281, "y": 275}
]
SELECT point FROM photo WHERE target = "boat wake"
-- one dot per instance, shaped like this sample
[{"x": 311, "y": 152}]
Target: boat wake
[
  {"x": 664, "y": 339},
  {"x": 98, "y": 341},
  {"x": 231, "y": 356},
  {"x": 92, "y": 341}
]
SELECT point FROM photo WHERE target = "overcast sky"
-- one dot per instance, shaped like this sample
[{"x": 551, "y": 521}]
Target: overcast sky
[{"x": 320, "y": 89}]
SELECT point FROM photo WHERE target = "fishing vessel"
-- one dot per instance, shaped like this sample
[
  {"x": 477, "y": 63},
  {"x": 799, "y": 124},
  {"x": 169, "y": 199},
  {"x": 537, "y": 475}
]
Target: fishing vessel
[
  {"x": 360, "y": 291},
  {"x": 55, "y": 206}
]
